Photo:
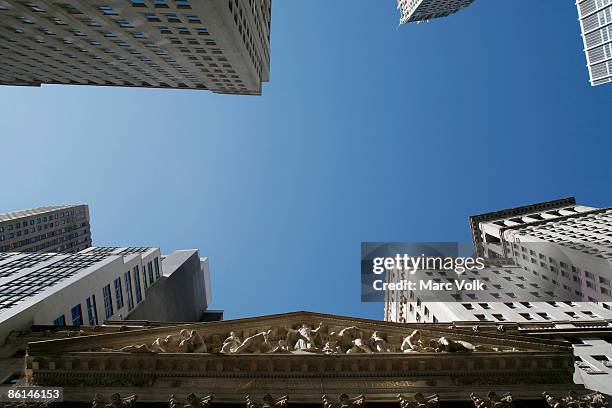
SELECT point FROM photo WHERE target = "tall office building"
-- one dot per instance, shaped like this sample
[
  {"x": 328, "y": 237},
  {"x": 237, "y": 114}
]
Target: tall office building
[
  {"x": 596, "y": 25},
  {"x": 219, "y": 45},
  {"x": 423, "y": 10},
  {"x": 100, "y": 284},
  {"x": 566, "y": 244},
  {"x": 46, "y": 229}
]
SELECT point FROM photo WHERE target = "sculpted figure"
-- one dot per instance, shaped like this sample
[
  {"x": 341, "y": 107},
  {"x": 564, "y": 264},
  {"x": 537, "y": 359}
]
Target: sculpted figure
[
  {"x": 419, "y": 401},
  {"x": 182, "y": 342},
  {"x": 344, "y": 402},
  {"x": 168, "y": 343},
  {"x": 192, "y": 401},
  {"x": 493, "y": 401},
  {"x": 573, "y": 400},
  {"x": 413, "y": 343},
  {"x": 378, "y": 343},
  {"x": 304, "y": 338},
  {"x": 451, "y": 346},
  {"x": 267, "y": 402},
  {"x": 193, "y": 343},
  {"x": 231, "y": 344},
  {"x": 349, "y": 339},
  {"x": 281, "y": 347},
  {"x": 115, "y": 401},
  {"x": 331, "y": 348},
  {"x": 132, "y": 348},
  {"x": 257, "y": 343}
]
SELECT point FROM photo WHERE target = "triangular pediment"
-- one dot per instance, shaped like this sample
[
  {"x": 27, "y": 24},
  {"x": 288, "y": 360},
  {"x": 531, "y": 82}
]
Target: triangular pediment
[{"x": 300, "y": 333}]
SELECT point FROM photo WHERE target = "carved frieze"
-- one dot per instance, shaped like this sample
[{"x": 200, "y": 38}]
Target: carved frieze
[
  {"x": 419, "y": 401},
  {"x": 343, "y": 401},
  {"x": 191, "y": 401},
  {"x": 573, "y": 400}
]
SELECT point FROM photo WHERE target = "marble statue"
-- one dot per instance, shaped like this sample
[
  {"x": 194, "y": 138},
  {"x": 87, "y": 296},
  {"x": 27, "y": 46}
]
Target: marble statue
[
  {"x": 379, "y": 344},
  {"x": 573, "y": 400},
  {"x": 304, "y": 338},
  {"x": 193, "y": 343},
  {"x": 231, "y": 344},
  {"x": 415, "y": 343},
  {"x": 258, "y": 343}
]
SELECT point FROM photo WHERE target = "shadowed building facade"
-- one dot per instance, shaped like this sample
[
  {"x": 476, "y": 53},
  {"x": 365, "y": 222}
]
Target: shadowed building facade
[{"x": 219, "y": 45}]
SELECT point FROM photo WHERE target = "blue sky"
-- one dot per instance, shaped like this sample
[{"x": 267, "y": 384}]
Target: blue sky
[{"x": 366, "y": 132}]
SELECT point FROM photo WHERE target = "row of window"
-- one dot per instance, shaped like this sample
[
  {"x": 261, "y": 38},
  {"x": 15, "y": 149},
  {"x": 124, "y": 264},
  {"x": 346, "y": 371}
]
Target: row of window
[{"x": 152, "y": 272}]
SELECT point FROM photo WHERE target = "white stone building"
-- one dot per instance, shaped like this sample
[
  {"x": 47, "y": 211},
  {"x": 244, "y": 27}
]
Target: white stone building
[
  {"x": 99, "y": 284},
  {"x": 596, "y": 26},
  {"x": 219, "y": 45},
  {"x": 58, "y": 228},
  {"x": 423, "y": 10},
  {"x": 568, "y": 245}
]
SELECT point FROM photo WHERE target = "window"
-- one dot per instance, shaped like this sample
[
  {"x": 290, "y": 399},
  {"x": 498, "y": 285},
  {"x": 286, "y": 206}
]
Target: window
[
  {"x": 128, "y": 288},
  {"x": 60, "y": 321},
  {"x": 526, "y": 316},
  {"x": 605, "y": 360},
  {"x": 118, "y": 293},
  {"x": 468, "y": 306},
  {"x": 108, "y": 301},
  {"x": 485, "y": 306},
  {"x": 77, "y": 315},
  {"x": 92, "y": 313},
  {"x": 137, "y": 284},
  {"x": 481, "y": 317},
  {"x": 156, "y": 265},
  {"x": 150, "y": 271},
  {"x": 544, "y": 316},
  {"x": 499, "y": 317}
]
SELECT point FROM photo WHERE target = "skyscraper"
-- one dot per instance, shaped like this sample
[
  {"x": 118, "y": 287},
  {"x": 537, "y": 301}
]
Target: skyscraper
[
  {"x": 531, "y": 237},
  {"x": 219, "y": 45},
  {"x": 99, "y": 284},
  {"x": 423, "y": 10},
  {"x": 596, "y": 25},
  {"x": 62, "y": 228}
]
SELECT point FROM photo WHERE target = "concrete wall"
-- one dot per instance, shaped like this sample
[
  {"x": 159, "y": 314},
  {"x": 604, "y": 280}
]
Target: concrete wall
[{"x": 180, "y": 295}]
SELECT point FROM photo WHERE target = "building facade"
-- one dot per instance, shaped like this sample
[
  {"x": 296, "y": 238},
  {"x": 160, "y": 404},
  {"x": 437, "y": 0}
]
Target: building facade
[
  {"x": 217, "y": 45},
  {"x": 559, "y": 242},
  {"x": 303, "y": 360},
  {"x": 100, "y": 284},
  {"x": 424, "y": 10},
  {"x": 596, "y": 26},
  {"x": 62, "y": 229}
]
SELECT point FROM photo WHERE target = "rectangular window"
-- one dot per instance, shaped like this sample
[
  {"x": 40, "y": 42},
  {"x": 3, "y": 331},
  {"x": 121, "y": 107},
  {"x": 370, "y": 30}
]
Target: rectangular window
[
  {"x": 137, "y": 284},
  {"x": 156, "y": 265},
  {"x": 108, "y": 301},
  {"x": 60, "y": 321},
  {"x": 77, "y": 315},
  {"x": 128, "y": 288},
  {"x": 92, "y": 313},
  {"x": 150, "y": 271},
  {"x": 144, "y": 276},
  {"x": 118, "y": 293}
]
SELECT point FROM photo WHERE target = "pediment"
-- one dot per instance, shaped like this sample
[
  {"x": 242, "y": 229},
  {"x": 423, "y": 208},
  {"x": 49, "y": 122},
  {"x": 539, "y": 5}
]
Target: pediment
[{"x": 298, "y": 333}]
